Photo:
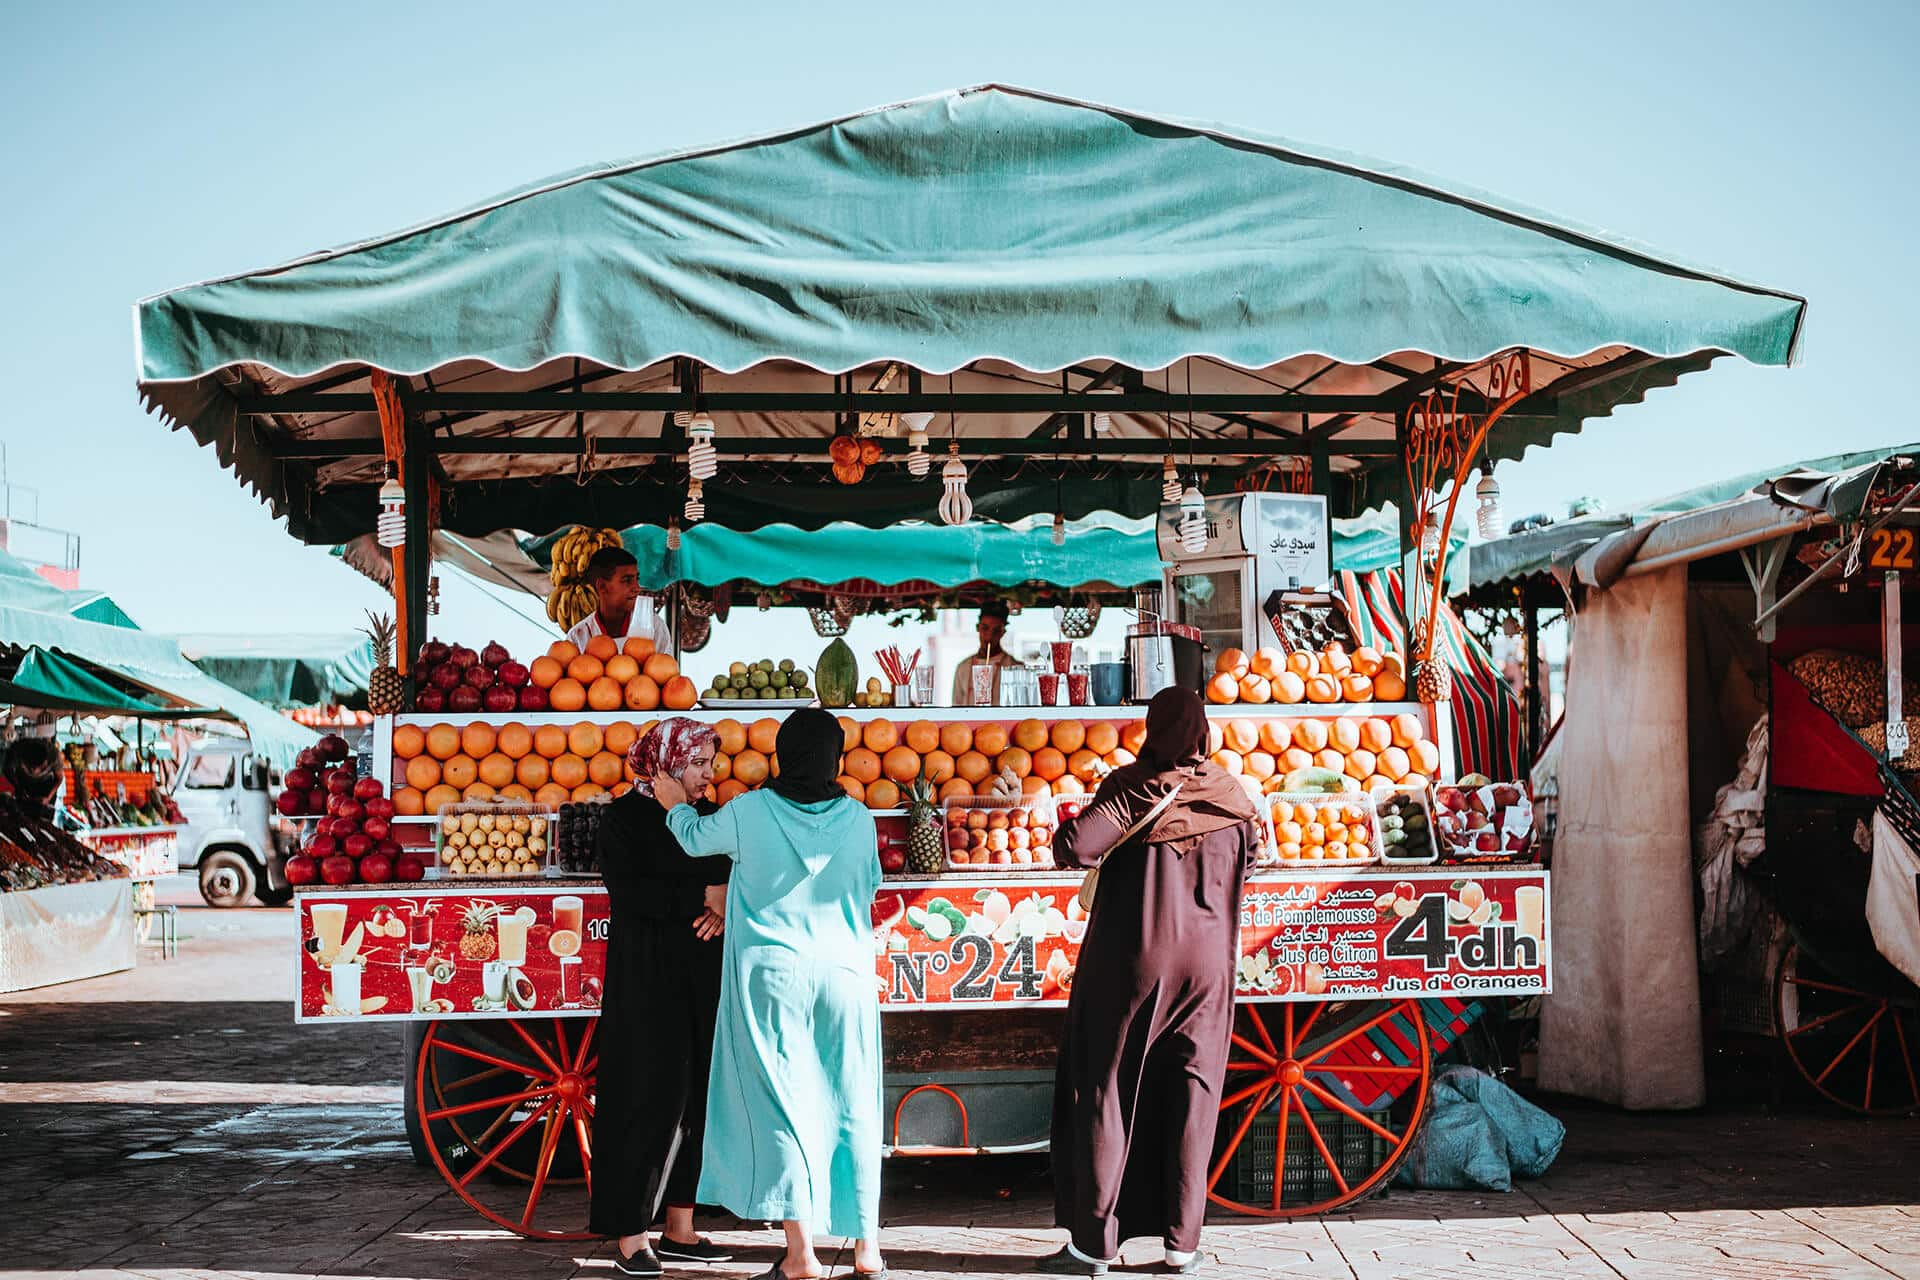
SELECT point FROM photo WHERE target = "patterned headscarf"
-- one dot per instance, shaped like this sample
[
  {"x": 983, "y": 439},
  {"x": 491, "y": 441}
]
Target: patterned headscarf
[{"x": 668, "y": 747}]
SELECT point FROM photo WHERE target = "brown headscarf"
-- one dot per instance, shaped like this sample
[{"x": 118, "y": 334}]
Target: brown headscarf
[{"x": 1175, "y": 754}]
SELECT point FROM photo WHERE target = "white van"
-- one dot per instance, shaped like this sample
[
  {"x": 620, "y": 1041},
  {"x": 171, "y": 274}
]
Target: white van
[{"x": 234, "y": 839}]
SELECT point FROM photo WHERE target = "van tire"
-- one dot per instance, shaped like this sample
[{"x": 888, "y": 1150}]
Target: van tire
[
  {"x": 271, "y": 895},
  {"x": 227, "y": 878}
]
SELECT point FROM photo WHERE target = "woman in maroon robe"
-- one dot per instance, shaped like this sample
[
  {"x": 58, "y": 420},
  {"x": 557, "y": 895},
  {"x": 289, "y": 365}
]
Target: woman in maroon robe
[{"x": 1139, "y": 1081}]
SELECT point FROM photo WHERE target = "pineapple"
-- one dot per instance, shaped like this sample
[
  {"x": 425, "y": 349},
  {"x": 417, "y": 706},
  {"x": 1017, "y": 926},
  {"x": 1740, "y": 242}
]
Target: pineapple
[
  {"x": 476, "y": 937},
  {"x": 1432, "y": 681},
  {"x": 926, "y": 842},
  {"x": 385, "y": 687}
]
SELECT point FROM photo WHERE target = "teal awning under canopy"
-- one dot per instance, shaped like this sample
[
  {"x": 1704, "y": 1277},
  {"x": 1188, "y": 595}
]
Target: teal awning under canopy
[
  {"x": 1034, "y": 243},
  {"x": 46, "y": 680},
  {"x": 289, "y": 669}
]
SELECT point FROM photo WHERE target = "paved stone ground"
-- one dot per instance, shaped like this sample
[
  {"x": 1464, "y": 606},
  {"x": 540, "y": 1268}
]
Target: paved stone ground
[{"x": 145, "y": 1137}]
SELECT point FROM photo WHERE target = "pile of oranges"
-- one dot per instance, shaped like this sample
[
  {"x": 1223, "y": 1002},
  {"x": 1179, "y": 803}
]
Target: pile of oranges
[
  {"x": 553, "y": 764},
  {"x": 1330, "y": 676},
  {"x": 1331, "y": 830},
  {"x": 610, "y": 676},
  {"x": 1375, "y": 752}
]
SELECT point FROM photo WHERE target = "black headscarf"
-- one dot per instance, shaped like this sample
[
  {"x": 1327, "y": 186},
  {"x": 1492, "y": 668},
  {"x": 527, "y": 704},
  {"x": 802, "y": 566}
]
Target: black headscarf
[
  {"x": 809, "y": 749},
  {"x": 1175, "y": 754},
  {"x": 34, "y": 767}
]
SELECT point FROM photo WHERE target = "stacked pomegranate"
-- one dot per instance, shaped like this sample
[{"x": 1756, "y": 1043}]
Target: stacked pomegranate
[
  {"x": 456, "y": 678},
  {"x": 352, "y": 840}
]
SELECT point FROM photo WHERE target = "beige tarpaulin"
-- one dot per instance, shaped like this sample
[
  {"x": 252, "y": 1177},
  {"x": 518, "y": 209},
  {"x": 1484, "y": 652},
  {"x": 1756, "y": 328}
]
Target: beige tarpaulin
[{"x": 1623, "y": 1024}]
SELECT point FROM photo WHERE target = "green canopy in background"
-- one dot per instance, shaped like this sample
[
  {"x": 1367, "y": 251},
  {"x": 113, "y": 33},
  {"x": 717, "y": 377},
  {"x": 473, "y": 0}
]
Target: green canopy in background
[
  {"x": 22, "y": 588},
  {"x": 47, "y": 680},
  {"x": 154, "y": 662},
  {"x": 287, "y": 670}
]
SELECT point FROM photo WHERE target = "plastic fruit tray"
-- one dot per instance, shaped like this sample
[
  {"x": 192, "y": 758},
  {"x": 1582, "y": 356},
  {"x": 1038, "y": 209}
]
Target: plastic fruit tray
[
  {"x": 1324, "y": 823},
  {"x": 1000, "y": 832},
  {"x": 493, "y": 838},
  {"x": 1409, "y": 804}
]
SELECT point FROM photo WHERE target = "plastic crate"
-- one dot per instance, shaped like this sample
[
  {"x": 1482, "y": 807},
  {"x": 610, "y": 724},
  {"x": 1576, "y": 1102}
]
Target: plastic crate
[{"x": 1358, "y": 1149}]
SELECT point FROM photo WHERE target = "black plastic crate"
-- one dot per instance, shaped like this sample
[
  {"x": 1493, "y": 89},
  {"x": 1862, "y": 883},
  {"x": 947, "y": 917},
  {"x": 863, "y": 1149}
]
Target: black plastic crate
[{"x": 1359, "y": 1150}]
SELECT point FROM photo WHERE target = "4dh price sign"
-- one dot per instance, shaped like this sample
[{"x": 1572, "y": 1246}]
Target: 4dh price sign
[{"x": 1448, "y": 931}]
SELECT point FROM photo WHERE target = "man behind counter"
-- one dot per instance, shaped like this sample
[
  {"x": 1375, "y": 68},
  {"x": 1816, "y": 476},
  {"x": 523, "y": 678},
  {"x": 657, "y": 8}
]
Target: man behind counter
[
  {"x": 615, "y": 576},
  {"x": 992, "y": 628}
]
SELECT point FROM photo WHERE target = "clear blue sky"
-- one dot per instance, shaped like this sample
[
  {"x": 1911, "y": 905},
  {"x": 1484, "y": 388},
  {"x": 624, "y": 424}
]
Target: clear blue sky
[{"x": 145, "y": 146}]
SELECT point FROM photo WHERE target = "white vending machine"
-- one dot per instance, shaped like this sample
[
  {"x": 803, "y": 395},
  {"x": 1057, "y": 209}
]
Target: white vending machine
[{"x": 1261, "y": 549}]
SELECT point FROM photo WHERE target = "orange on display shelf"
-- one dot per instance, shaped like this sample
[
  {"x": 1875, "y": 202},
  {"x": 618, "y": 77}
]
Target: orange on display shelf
[
  {"x": 1325, "y": 678},
  {"x": 555, "y": 758}
]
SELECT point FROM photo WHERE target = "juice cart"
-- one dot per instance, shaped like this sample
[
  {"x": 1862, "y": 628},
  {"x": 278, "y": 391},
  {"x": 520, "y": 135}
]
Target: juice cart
[{"x": 967, "y": 307}]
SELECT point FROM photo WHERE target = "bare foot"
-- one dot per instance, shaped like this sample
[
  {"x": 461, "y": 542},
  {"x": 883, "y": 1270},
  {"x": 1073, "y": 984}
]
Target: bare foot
[{"x": 867, "y": 1259}]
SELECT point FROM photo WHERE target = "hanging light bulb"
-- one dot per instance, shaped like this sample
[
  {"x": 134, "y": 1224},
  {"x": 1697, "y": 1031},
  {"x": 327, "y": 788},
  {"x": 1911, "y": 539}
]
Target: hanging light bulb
[
  {"x": 703, "y": 460},
  {"x": 955, "y": 506},
  {"x": 696, "y": 509},
  {"x": 1430, "y": 539},
  {"x": 1193, "y": 520},
  {"x": 763, "y": 602},
  {"x": 1102, "y": 420},
  {"x": 390, "y": 528},
  {"x": 1059, "y": 529},
  {"x": 673, "y": 535},
  {"x": 1488, "y": 515},
  {"x": 1169, "y": 483},
  {"x": 919, "y": 461},
  {"x": 433, "y": 595}
]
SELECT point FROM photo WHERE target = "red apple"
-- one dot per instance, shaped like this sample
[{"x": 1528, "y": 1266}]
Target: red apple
[
  {"x": 1487, "y": 841},
  {"x": 290, "y": 804},
  {"x": 302, "y": 869},
  {"x": 308, "y": 759},
  {"x": 332, "y": 747},
  {"x": 389, "y": 846},
  {"x": 322, "y": 845},
  {"x": 299, "y": 779},
  {"x": 343, "y": 828},
  {"x": 430, "y": 699},
  {"x": 337, "y": 869},
  {"x": 375, "y": 828},
  {"x": 464, "y": 699},
  {"x": 357, "y": 845},
  {"x": 366, "y": 788},
  {"x": 316, "y": 801},
  {"x": 339, "y": 781},
  {"x": 380, "y": 807},
  {"x": 512, "y": 674},
  {"x": 893, "y": 862},
  {"x": 376, "y": 868},
  {"x": 533, "y": 698},
  {"x": 409, "y": 866},
  {"x": 498, "y": 698}
]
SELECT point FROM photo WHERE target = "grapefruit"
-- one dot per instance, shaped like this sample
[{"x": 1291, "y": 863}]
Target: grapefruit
[
  {"x": 605, "y": 694},
  {"x": 496, "y": 770},
  {"x": 990, "y": 739},
  {"x": 606, "y": 768},
  {"x": 550, "y": 740},
  {"x": 1310, "y": 735},
  {"x": 937, "y": 765},
  {"x": 476, "y": 792},
  {"x": 1068, "y": 736},
  {"x": 641, "y": 694},
  {"x": 956, "y": 738},
  {"x": 1102, "y": 737},
  {"x": 853, "y": 787},
  {"x": 763, "y": 735},
  {"x": 620, "y": 737},
  {"x": 563, "y": 651},
  {"x": 1083, "y": 765},
  {"x": 461, "y": 771},
  {"x": 731, "y": 789},
  {"x": 1407, "y": 729},
  {"x": 732, "y": 734},
  {"x": 1030, "y": 735},
  {"x": 679, "y": 693},
  {"x": 923, "y": 736},
  {"x": 1240, "y": 735},
  {"x": 751, "y": 767},
  {"x": 423, "y": 773},
  {"x": 443, "y": 742},
  {"x": 532, "y": 771},
  {"x": 1289, "y": 687},
  {"x": 1323, "y": 689},
  {"x": 569, "y": 771},
  {"x": 1049, "y": 763},
  {"x": 859, "y": 763},
  {"x": 1367, "y": 661},
  {"x": 586, "y": 668},
  {"x": 1343, "y": 735},
  {"x": 620, "y": 668},
  {"x": 553, "y": 795},
  {"x": 660, "y": 667},
  {"x": 1390, "y": 686},
  {"x": 440, "y": 797},
  {"x": 971, "y": 767},
  {"x": 409, "y": 802},
  {"x": 955, "y": 789},
  {"x": 1230, "y": 760},
  {"x": 1376, "y": 735},
  {"x": 568, "y": 695},
  {"x": 883, "y": 795},
  {"x": 546, "y": 672},
  {"x": 849, "y": 733},
  {"x": 409, "y": 740},
  {"x": 585, "y": 738},
  {"x": 476, "y": 739},
  {"x": 902, "y": 764},
  {"x": 880, "y": 736},
  {"x": 1303, "y": 664},
  {"x": 1223, "y": 689},
  {"x": 1233, "y": 662},
  {"x": 1019, "y": 759},
  {"x": 514, "y": 740},
  {"x": 1256, "y": 689},
  {"x": 1356, "y": 688},
  {"x": 1268, "y": 662},
  {"x": 602, "y": 647},
  {"x": 639, "y": 648},
  {"x": 1425, "y": 758},
  {"x": 587, "y": 791},
  {"x": 1394, "y": 763},
  {"x": 1134, "y": 736}
]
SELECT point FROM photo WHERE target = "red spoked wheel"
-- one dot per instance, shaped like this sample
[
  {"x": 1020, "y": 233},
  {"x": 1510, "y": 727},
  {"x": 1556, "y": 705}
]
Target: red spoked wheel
[
  {"x": 507, "y": 1106},
  {"x": 1316, "y": 1113},
  {"x": 1856, "y": 1048}
]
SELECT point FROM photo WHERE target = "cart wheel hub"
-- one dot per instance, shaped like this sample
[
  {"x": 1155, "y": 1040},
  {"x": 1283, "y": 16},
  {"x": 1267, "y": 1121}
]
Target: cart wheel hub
[
  {"x": 571, "y": 1086},
  {"x": 1291, "y": 1073}
]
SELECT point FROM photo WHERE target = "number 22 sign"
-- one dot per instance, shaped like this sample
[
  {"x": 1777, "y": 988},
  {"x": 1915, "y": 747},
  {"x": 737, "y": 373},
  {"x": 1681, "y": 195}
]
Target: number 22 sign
[{"x": 1891, "y": 549}]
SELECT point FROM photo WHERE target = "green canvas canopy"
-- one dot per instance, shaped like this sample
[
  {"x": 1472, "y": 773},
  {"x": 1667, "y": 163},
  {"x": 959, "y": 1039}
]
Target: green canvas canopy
[
  {"x": 998, "y": 257},
  {"x": 289, "y": 669},
  {"x": 47, "y": 680}
]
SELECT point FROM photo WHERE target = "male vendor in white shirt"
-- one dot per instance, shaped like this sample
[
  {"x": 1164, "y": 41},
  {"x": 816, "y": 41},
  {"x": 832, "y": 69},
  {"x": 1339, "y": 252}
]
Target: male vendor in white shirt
[{"x": 615, "y": 577}]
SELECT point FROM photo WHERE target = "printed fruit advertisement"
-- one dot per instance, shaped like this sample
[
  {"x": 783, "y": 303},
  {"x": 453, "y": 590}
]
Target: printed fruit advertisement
[
  {"x": 1454, "y": 931},
  {"x": 949, "y": 942},
  {"x": 502, "y": 952}
]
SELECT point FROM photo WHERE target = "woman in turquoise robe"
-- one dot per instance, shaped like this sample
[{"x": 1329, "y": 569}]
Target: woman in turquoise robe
[{"x": 793, "y": 1103}]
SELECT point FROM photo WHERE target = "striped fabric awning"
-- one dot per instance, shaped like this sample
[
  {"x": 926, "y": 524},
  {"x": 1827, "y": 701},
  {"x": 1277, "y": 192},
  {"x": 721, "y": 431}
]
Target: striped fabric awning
[{"x": 1486, "y": 714}]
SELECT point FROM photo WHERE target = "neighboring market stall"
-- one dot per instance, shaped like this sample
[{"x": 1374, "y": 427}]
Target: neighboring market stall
[
  {"x": 1019, "y": 283},
  {"x": 1767, "y": 817},
  {"x": 285, "y": 669}
]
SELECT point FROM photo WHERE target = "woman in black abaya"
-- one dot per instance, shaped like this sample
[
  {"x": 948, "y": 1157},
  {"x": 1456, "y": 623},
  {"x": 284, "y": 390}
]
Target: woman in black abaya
[
  {"x": 655, "y": 1038},
  {"x": 1138, "y": 1086}
]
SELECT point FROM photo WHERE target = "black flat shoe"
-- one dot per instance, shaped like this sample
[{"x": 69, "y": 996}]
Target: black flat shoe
[
  {"x": 642, "y": 1262},
  {"x": 701, "y": 1250},
  {"x": 1064, "y": 1263}
]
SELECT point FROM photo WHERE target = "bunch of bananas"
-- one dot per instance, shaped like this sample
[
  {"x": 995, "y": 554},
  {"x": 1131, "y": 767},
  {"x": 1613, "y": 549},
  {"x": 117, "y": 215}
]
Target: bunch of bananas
[{"x": 572, "y": 597}]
